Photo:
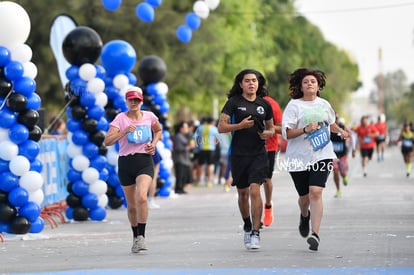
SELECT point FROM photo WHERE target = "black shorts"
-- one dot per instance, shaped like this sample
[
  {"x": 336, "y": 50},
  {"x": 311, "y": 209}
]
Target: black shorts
[
  {"x": 206, "y": 157},
  {"x": 131, "y": 166},
  {"x": 249, "y": 169},
  {"x": 367, "y": 153},
  {"x": 406, "y": 150},
  {"x": 271, "y": 158},
  {"x": 316, "y": 175}
]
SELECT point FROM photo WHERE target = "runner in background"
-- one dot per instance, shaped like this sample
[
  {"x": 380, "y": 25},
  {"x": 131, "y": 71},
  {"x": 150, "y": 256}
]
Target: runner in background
[{"x": 381, "y": 126}]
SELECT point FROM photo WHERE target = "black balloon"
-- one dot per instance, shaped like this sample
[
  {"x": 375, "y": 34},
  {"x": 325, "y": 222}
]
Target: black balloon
[
  {"x": 7, "y": 212},
  {"x": 17, "y": 102},
  {"x": 82, "y": 45},
  {"x": 115, "y": 202},
  {"x": 151, "y": 69},
  {"x": 80, "y": 214},
  {"x": 73, "y": 201},
  {"x": 103, "y": 150},
  {"x": 78, "y": 112},
  {"x": 35, "y": 134},
  {"x": 5, "y": 87},
  {"x": 69, "y": 187},
  {"x": 97, "y": 138},
  {"x": 20, "y": 225},
  {"x": 28, "y": 118},
  {"x": 90, "y": 125},
  {"x": 75, "y": 101},
  {"x": 111, "y": 113},
  {"x": 3, "y": 197}
]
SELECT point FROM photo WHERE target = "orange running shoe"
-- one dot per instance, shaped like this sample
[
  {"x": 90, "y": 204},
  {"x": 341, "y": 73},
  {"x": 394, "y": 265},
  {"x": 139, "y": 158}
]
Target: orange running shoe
[{"x": 268, "y": 215}]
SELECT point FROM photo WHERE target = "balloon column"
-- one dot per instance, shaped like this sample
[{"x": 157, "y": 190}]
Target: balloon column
[
  {"x": 201, "y": 10},
  {"x": 151, "y": 71},
  {"x": 20, "y": 180},
  {"x": 118, "y": 58},
  {"x": 86, "y": 126}
]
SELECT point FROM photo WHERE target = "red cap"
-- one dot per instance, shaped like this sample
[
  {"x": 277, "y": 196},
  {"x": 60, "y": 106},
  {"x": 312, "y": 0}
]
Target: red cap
[{"x": 134, "y": 92}]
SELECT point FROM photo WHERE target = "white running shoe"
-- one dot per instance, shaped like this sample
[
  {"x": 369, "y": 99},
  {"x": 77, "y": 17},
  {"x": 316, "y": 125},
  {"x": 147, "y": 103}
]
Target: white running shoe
[
  {"x": 153, "y": 205},
  {"x": 139, "y": 244},
  {"x": 254, "y": 241},
  {"x": 247, "y": 236}
]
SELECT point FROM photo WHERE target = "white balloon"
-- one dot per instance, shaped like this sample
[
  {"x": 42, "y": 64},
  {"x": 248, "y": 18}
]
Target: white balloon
[
  {"x": 162, "y": 88},
  {"x": 87, "y": 71},
  {"x": 103, "y": 200},
  {"x": 212, "y": 4},
  {"x": 80, "y": 163},
  {"x": 9, "y": 149},
  {"x": 19, "y": 165},
  {"x": 95, "y": 85},
  {"x": 101, "y": 99},
  {"x": 37, "y": 196},
  {"x": 31, "y": 181},
  {"x": 14, "y": 24},
  {"x": 29, "y": 70},
  {"x": 112, "y": 157},
  {"x": 4, "y": 134},
  {"x": 168, "y": 163},
  {"x": 98, "y": 187},
  {"x": 90, "y": 175},
  {"x": 120, "y": 81},
  {"x": 73, "y": 150},
  {"x": 201, "y": 9},
  {"x": 22, "y": 53}
]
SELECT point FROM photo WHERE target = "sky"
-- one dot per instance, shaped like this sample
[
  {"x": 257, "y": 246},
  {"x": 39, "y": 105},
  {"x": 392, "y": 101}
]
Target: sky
[{"x": 362, "y": 27}]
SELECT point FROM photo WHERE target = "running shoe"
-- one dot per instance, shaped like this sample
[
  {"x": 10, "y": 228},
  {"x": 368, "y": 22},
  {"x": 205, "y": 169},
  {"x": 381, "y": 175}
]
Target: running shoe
[
  {"x": 304, "y": 227},
  {"x": 153, "y": 205},
  {"x": 268, "y": 215},
  {"x": 313, "y": 242},
  {"x": 226, "y": 188},
  {"x": 255, "y": 240},
  {"x": 345, "y": 180},
  {"x": 247, "y": 238},
  {"x": 139, "y": 244},
  {"x": 338, "y": 194}
]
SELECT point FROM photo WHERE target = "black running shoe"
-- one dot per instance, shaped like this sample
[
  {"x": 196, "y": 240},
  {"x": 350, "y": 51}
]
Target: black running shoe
[
  {"x": 304, "y": 225},
  {"x": 313, "y": 242}
]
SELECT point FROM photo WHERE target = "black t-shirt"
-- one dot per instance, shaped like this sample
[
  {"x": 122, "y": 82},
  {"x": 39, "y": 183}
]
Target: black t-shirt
[
  {"x": 339, "y": 144},
  {"x": 247, "y": 142}
]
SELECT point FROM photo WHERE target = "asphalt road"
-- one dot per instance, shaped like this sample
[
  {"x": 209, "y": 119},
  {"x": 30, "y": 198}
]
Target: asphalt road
[{"x": 370, "y": 230}]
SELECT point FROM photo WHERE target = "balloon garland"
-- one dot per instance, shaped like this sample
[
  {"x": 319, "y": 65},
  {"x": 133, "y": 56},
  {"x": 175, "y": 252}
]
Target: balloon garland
[
  {"x": 86, "y": 126},
  {"x": 21, "y": 183}
]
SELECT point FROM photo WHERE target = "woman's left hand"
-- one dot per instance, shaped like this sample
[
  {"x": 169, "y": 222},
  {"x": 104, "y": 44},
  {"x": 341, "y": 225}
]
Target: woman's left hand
[{"x": 150, "y": 149}]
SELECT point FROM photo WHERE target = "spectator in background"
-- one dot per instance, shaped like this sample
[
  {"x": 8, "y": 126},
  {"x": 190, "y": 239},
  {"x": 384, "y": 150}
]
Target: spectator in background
[
  {"x": 57, "y": 126},
  {"x": 206, "y": 139},
  {"x": 182, "y": 146},
  {"x": 381, "y": 126},
  {"x": 367, "y": 133}
]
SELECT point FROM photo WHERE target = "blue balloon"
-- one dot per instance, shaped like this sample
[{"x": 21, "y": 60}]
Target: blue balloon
[
  {"x": 184, "y": 33},
  {"x": 13, "y": 70},
  {"x": 18, "y": 196},
  {"x": 104, "y": 174},
  {"x": 72, "y": 72},
  {"x": 36, "y": 165},
  {"x": 33, "y": 102},
  {"x": 97, "y": 214},
  {"x": 90, "y": 150},
  {"x": 154, "y": 3},
  {"x": 100, "y": 71},
  {"x": 103, "y": 124},
  {"x": 90, "y": 200},
  {"x": 30, "y": 211},
  {"x": 95, "y": 112},
  {"x": 5, "y": 57},
  {"x": 37, "y": 225},
  {"x": 118, "y": 57},
  {"x": 72, "y": 125},
  {"x": 7, "y": 118},
  {"x": 99, "y": 162},
  {"x": 111, "y": 92},
  {"x": 80, "y": 188},
  {"x": 164, "y": 192},
  {"x": 25, "y": 85},
  {"x": 193, "y": 21},
  {"x": 73, "y": 175},
  {"x": 132, "y": 79},
  {"x": 113, "y": 180},
  {"x": 111, "y": 5},
  {"x": 152, "y": 89},
  {"x": 78, "y": 86},
  {"x": 5, "y": 227},
  {"x": 4, "y": 165},
  {"x": 87, "y": 99},
  {"x": 29, "y": 149},
  {"x": 18, "y": 133},
  {"x": 69, "y": 213},
  {"x": 145, "y": 12},
  {"x": 80, "y": 137}
]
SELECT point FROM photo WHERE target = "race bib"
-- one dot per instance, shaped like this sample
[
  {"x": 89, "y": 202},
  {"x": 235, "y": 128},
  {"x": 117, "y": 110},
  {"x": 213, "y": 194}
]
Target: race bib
[
  {"x": 367, "y": 139},
  {"x": 407, "y": 142},
  {"x": 319, "y": 138},
  {"x": 381, "y": 137},
  {"x": 338, "y": 146},
  {"x": 142, "y": 134}
]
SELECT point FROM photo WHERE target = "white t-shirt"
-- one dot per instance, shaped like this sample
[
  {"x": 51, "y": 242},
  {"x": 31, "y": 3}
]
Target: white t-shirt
[{"x": 307, "y": 149}]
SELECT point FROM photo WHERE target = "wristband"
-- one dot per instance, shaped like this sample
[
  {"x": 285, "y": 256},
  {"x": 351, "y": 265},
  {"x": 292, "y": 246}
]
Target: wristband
[{"x": 304, "y": 131}]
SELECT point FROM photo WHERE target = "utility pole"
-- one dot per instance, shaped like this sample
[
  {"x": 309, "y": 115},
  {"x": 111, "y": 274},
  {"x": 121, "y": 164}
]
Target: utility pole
[{"x": 381, "y": 108}]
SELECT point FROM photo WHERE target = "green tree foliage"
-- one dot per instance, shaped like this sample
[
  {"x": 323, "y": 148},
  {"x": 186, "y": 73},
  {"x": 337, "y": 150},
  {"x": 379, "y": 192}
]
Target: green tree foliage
[{"x": 264, "y": 34}]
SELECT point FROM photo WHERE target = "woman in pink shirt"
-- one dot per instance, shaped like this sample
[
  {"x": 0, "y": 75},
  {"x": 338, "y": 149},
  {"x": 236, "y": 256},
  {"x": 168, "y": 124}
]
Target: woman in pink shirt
[{"x": 137, "y": 133}]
